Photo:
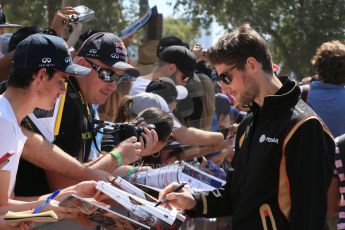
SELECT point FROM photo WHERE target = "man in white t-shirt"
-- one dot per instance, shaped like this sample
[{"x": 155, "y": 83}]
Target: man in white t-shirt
[{"x": 41, "y": 65}]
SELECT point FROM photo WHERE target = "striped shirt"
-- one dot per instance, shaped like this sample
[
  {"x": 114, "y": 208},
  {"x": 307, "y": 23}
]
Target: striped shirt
[{"x": 339, "y": 172}]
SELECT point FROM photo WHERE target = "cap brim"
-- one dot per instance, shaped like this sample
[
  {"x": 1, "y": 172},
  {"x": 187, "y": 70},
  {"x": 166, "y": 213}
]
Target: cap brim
[
  {"x": 7, "y": 25},
  {"x": 77, "y": 70},
  {"x": 122, "y": 65},
  {"x": 130, "y": 70},
  {"x": 182, "y": 92}
]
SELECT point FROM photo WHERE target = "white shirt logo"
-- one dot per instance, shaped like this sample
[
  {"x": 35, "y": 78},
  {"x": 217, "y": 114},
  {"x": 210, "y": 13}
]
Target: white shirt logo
[
  {"x": 93, "y": 51},
  {"x": 263, "y": 138},
  {"x": 46, "y": 60}
]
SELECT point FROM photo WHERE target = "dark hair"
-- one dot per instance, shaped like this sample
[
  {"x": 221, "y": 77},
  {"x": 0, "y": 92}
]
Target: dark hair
[
  {"x": 162, "y": 121},
  {"x": 21, "y": 34},
  {"x": 329, "y": 62},
  {"x": 236, "y": 47},
  {"x": 123, "y": 113},
  {"x": 23, "y": 78}
]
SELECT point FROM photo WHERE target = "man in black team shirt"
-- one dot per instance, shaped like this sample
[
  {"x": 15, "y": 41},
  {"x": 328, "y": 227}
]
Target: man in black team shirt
[
  {"x": 282, "y": 165},
  {"x": 106, "y": 55}
]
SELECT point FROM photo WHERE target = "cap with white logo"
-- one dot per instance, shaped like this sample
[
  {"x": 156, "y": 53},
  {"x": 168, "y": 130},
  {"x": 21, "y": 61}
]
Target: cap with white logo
[
  {"x": 40, "y": 51},
  {"x": 108, "y": 48}
]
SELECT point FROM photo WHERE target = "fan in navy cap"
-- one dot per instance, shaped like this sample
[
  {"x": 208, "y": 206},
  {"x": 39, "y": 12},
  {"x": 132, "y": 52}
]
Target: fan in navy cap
[
  {"x": 106, "y": 56},
  {"x": 41, "y": 62}
]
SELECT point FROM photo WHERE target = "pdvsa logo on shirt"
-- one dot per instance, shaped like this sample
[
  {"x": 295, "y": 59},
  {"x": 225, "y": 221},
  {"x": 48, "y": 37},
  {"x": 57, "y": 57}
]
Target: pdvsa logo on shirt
[{"x": 263, "y": 138}]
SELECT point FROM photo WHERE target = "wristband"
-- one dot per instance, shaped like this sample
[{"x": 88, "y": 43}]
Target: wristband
[
  {"x": 131, "y": 170},
  {"x": 117, "y": 156}
]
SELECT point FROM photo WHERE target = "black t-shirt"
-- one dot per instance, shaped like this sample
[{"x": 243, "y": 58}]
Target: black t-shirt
[{"x": 75, "y": 135}]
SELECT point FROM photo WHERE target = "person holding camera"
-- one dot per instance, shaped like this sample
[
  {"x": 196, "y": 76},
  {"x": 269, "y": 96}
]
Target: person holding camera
[
  {"x": 106, "y": 56},
  {"x": 283, "y": 161}
]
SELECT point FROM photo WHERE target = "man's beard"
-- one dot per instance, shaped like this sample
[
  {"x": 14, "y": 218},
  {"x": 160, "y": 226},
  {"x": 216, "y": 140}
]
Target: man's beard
[{"x": 250, "y": 92}]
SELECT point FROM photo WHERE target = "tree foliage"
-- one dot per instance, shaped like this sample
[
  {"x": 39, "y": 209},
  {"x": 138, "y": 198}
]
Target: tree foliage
[
  {"x": 110, "y": 15},
  {"x": 294, "y": 28},
  {"x": 181, "y": 29}
]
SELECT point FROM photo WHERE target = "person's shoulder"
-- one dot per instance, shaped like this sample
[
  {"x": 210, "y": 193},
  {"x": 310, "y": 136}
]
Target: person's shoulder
[
  {"x": 7, "y": 117},
  {"x": 139, "y": 86},
  {"x": 5, "y": 122}
]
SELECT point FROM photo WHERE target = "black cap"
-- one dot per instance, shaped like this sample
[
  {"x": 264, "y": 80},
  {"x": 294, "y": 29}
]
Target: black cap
[
  {"x": 40, "y": 51},
  {"x": 167, "y": 90},
  {"x": 3, "y": 23},
  {"x": 183, "y": 58},
  {"x": 107, "y": 48},
  {"x": 166, "y": 42}
]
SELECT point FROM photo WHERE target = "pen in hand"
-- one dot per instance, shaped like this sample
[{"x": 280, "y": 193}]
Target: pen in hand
[
  {"x": 50, "y": 197},
  {"x": 177, "y": 189}
]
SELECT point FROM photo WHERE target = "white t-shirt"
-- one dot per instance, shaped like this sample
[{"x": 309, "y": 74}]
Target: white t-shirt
[
  {"x": 12, "y": 139},
  {"x": 139, "y": 86}
]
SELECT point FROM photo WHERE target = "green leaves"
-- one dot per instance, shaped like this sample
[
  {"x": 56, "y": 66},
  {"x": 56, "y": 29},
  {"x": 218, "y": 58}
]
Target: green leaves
[{"x": 294, "y": 28}]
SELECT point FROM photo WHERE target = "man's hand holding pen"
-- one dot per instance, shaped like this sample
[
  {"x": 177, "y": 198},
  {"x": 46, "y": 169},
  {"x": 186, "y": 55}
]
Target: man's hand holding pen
[{"x": 182, "y": 200}]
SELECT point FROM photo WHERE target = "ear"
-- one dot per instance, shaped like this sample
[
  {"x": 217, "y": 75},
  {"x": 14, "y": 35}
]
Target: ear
[
  {"x": 172, "y": 67},
  {"x": 41, "y": 75},
  {"x": 253, "y": 65}
]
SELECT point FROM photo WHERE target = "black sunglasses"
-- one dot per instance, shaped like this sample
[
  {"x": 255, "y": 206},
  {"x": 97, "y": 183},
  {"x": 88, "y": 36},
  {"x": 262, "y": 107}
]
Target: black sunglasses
[
  {"x": 226, "y": 77},
  {"x": 104, "y": 74}
]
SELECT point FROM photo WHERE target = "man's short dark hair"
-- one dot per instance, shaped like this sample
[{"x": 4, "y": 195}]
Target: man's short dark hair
[
  {"x": 23, "y": 78},
  {"x": 21, "y": 34},
  {"x": 329, "y": 62},
  {"x": 236, "y": 47}
]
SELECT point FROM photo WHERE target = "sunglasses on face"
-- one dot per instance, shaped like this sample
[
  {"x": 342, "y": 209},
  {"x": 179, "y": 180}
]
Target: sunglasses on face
[
  {"x": 104, "y": 74},
  {"x": 226, "y": 77}
]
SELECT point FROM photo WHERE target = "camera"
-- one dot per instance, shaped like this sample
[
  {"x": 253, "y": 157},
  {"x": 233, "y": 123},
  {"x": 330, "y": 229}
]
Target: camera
[
  {"x": 85, "y": 15},
  {"x": 114, "y": 133}
]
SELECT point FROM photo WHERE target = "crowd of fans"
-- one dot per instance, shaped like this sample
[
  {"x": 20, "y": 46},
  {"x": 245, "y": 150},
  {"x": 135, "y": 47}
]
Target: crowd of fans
[{"x": 274, "y": 137}]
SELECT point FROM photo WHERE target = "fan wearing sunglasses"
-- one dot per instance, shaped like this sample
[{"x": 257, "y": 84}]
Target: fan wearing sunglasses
[{"x": 106, "y": 56}]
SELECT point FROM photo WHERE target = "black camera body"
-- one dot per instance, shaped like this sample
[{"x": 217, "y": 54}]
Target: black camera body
[
  {"x": 113, "y": 133},
  {"x": 126, "y": 130}
]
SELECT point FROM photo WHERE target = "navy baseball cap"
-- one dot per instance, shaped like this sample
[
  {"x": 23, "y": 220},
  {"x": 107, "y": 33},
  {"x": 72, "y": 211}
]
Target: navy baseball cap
[
  {"x": 167, "y": 90},
  {"x": 108, "y": 48},
  {"x": 3, "y": 23},
  {"x": 41, "y": 51},
  {"x": 183, "y": 58}
]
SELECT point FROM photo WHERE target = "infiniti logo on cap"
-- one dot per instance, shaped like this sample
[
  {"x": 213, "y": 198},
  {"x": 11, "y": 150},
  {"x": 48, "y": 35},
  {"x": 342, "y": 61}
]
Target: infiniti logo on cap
[
  {"x": 68, "y": 59},
  {"x": 46, "y": 60},
  {"x": 114, "y": 55}
]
